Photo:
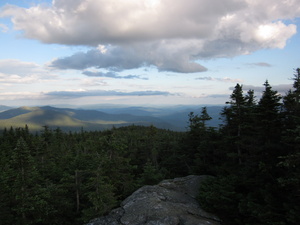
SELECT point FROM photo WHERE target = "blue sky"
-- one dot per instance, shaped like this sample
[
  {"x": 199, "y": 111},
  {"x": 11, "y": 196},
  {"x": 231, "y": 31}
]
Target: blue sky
[{"x": 144, "y": 52}]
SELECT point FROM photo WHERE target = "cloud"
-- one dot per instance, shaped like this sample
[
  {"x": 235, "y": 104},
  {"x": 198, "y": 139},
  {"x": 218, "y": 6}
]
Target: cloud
[
  {"x": 164, "y": 56},
  {"x": 281, "y": 88},
  {"x": 258, "y": 90},
  {"x": 3, "y": 28},
  {"x": 87, "y": 22},
  {"x": 8, "y": 80},
  {"x": 111, "y": 75},
  {"x": 13, "y": 66},
  {"x": 225, "y": 79},
  {"x": 217, "y": 96},
  {"x": 261, "y": 64},
  {"x": 14, "y": 71},
  {"x": 84, "y": 93},
  {"x": 21, "y": 95},
  {"x": 169, "y": 35},
  {"x": 93, "y": 82}
]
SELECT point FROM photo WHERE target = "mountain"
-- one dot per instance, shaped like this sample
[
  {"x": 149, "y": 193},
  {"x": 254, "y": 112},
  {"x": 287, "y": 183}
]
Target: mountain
[
  {"x": 36, "y": 118},
  {"x": 176, "y": 115},
  {"x": 4, "y": 108},
  {"x": 10, "y": 113},
  {"x": 104, "y": 117},
  {"x": 180, "y": 117},
  {"x": 72, "y": 119}
]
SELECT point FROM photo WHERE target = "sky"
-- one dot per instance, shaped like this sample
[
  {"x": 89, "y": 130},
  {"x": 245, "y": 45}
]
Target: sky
[{"x": 145, "y": 52}]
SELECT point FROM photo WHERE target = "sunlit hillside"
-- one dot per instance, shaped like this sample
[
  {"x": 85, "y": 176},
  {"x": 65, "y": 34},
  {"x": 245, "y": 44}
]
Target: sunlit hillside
[{"x": 70, "y": 119}]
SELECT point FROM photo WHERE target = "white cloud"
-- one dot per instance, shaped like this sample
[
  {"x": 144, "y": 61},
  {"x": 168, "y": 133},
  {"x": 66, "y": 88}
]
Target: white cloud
[
  {"x": 8, "y": 80},
  {"x": 170, "y": 35},
  {"x": 224, "y": 79},
  {"x": 21, "y": 95},
  {"x": 93, "y": 82},
  {"x": 102, "y": 49},
  {"x": 13, "y": 66},
  {"x": 88, "y": 93},
  {"x": 14, "y": 71},
  {"x": 281, "y": 88},
  {"x": 3, "y": 28},
  {"x": 261, "y": 64},
  {"x": 117, "y": 21},
  {"x": 274, "y": 35}
]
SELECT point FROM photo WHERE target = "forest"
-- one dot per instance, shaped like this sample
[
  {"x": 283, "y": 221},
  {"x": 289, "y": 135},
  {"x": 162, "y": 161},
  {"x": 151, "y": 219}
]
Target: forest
[{"x": 55, "y": 177}]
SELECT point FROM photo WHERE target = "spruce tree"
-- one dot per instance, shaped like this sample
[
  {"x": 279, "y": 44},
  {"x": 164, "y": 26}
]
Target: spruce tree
[
  {"x": 234, "y": 120},
  {"x": 289, "y": 163},
  {"x": 30, "y": 205},
  {"x": 268, "y": 129},
  {"x": 200, "y": 144},
  {"x": 292, "y": 103}
]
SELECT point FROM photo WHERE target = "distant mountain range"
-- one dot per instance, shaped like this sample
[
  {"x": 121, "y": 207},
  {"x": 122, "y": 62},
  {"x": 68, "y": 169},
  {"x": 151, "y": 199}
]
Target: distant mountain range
[
  {"x": 4, "y": 107},
  {"x": 101, "y": 117}
]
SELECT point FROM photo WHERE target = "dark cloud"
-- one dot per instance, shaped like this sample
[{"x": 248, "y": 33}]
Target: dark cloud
[
  {"x": 111, "y": 75},
  {"x": 114, "y": 58},
  {"x": 78, "y": 94},
  {"x": 123, "y": 58}
]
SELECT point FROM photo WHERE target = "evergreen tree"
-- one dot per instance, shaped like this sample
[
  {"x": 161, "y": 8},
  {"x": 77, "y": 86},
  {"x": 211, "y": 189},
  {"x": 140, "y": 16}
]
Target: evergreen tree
[
  {"x": 292, "y": 103},
  {"x": 290, "y": 160},
  {"x": 258, "y": 190},
  {"x": 29, "y": 198},
  {"x": 198, "y": 150},
  {"x": 198, "y": 123},
  {"x": 101, "y": 195},
  {"x": 151, "y": 175},
  {"x": 269, "y": 118},
  {"x": 235, "y": 116},
  {"x": 289, "y": 179}
]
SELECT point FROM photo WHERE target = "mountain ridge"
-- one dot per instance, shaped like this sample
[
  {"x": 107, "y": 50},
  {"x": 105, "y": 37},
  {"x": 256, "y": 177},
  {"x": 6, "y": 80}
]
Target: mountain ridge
[{"x": 73, "y": 119}]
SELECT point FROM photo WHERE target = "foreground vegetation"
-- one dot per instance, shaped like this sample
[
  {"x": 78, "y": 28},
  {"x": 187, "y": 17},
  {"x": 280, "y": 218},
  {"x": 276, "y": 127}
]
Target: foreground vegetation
[{"x": 69, "y": 178}]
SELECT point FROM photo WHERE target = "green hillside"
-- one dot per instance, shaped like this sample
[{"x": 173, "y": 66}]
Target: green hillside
[
  {"x": 70, "y": 119},
  {"x": 36, "y": 118}
]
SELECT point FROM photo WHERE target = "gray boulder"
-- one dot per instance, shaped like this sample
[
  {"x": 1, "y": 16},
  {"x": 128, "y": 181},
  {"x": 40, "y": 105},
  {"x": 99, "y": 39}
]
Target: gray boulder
[{"x": 171, "y": 202}]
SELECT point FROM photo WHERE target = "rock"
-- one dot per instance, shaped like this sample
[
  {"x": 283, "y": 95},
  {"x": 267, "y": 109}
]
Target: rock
[{"x": 171, "y": 202}]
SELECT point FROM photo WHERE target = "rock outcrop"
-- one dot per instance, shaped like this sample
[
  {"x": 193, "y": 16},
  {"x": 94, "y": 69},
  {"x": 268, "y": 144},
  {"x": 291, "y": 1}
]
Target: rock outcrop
[{"x": 171, "y": 202}]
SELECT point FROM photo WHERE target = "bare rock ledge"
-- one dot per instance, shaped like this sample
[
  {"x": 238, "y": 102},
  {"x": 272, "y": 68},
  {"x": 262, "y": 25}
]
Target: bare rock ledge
[{"x": 171, "y": 202}]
